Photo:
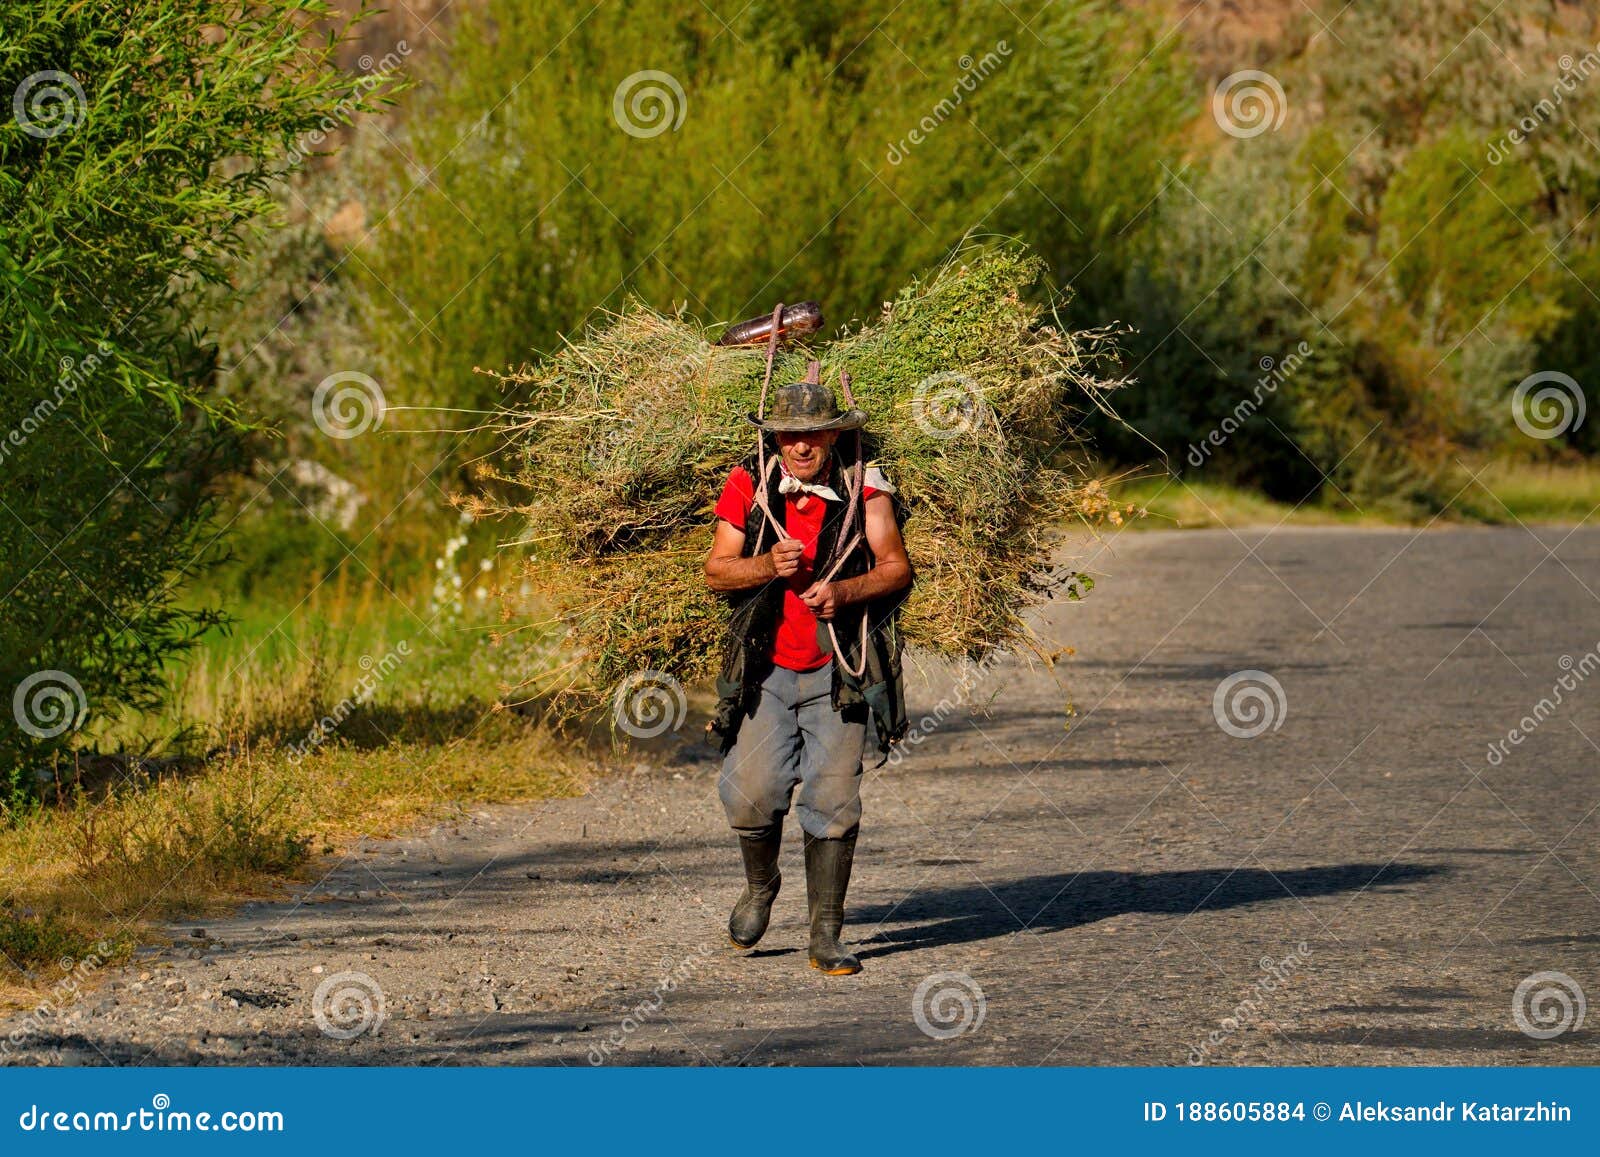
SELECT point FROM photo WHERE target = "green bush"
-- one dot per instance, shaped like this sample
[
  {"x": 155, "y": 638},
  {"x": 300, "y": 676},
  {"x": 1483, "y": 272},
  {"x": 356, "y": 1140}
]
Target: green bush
[
  {"x": 1427, "y": 277},
  {"x": 146, "y": 138},
  {"x": 518, "y": 205}
]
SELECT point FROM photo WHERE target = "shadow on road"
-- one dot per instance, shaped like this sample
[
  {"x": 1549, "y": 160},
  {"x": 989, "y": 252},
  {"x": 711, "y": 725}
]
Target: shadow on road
[{"x": 977, "y": 911}]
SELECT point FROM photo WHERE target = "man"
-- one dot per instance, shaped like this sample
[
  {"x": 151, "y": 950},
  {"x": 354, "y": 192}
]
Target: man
[{"x": 795, "y": 694}]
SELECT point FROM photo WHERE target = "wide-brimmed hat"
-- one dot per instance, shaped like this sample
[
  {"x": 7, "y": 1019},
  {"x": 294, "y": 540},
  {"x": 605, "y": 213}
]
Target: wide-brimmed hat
[{"x": 806, "y": 408}]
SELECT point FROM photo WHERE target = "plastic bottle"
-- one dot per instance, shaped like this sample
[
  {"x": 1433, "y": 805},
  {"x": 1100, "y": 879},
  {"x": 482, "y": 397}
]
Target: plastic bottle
[{"x": 797, "y": 320}]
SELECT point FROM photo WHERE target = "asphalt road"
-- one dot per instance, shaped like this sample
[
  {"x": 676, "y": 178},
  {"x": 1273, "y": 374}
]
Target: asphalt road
[{"x": 1359, "y": 883}]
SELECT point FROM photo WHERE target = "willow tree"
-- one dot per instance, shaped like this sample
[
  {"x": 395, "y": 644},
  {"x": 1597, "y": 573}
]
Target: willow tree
[{"x": 138, "y": 145}]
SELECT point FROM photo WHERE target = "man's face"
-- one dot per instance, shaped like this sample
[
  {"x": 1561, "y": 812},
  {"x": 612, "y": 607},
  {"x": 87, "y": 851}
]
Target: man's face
[{"x": 806, "y": 454}]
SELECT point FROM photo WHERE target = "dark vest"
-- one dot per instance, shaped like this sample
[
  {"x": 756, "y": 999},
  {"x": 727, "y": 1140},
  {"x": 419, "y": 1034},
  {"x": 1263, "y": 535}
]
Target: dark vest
[{"x": 755, "y": 614}]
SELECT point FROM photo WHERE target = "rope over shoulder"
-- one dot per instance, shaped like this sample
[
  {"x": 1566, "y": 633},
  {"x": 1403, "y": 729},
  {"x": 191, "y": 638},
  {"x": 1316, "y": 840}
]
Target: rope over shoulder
[{"x": 855, "y": 501}]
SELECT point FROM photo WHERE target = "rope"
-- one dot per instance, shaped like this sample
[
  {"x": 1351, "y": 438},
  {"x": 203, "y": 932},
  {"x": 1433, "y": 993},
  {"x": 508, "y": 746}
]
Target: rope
[
  {"x": 855, "y": 518},
  {"x": 855, "y": 514},
  {"x": 844, "y": 384},
  {"x": 853, "y": 501},
  {"x": 761, "y": 498},
  {"x": 761, "y": 435},
  {"x": 772, "y": 349},
  {"x": 855, "y": 493}
]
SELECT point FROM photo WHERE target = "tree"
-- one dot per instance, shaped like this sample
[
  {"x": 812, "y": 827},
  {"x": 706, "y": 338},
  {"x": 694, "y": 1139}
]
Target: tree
[
  {"x": 556, "y": 165},
  {"x": 137, "y": 150}
]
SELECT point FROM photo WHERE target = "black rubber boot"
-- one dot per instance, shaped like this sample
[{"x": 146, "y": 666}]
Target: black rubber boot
[
  {"x": 754, "y": 908},
  {"x": 827, "y": 878}
]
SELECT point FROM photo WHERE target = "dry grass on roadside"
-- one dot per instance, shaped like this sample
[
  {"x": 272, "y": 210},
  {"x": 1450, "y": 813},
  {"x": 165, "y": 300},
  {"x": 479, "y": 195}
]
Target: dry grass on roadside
[
  {"x": 94, "y": 872},
  {"x": 1182, "y": 504},
  {"x": 1564, "y": 492},
  {"x": 1503, "y": 492},
  {"x": 314, "y": 722}
]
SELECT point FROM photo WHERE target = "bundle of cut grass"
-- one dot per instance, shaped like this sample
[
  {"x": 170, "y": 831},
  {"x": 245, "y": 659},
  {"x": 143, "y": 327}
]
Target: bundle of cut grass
[{"x": 619, "y": 445}]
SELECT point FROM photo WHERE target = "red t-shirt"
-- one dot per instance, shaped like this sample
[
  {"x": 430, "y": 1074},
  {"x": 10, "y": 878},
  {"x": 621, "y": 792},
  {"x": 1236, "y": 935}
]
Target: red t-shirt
[{"x": 795, "y": 644}]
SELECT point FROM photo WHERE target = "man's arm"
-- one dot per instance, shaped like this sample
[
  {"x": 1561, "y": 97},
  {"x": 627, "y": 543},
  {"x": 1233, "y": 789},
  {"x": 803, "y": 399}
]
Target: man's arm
[
  {"x": 726, "y": 571},
  {"x": 891, "y": 572}
]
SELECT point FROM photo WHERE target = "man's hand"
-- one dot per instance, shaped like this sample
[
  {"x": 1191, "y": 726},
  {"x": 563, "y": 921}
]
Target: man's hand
[
  {"x": 823, "y": 599},
  {"x": 786, "y": 557},
  {"x": 890, "y": 571},
  {"x": 727, "y": 569}
]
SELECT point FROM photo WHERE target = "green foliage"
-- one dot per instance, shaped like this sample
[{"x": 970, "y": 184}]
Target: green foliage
[
  {"x": 517, "y": 205},
  {"x": 832, "y": 154},
  {"x": 46, "y": 942},
  {"x": 1378, "y": 226},
  {"x": 148, "y": 138}
]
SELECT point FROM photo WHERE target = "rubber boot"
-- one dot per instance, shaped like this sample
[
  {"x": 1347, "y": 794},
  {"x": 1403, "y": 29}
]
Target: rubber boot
[
  {"x": 827, "y": 878},
  {"x": 754, "y": 908}
]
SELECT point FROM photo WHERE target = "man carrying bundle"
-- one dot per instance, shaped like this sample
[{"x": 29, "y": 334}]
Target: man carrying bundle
[{"x": 813, "y": 564}]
